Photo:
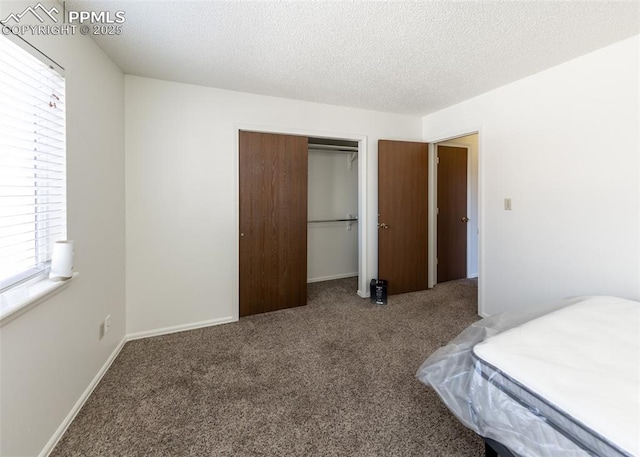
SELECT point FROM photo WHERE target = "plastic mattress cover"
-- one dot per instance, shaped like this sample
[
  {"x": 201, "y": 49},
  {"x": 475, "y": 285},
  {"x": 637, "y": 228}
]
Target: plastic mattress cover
[{"x": 460, "y": 380}]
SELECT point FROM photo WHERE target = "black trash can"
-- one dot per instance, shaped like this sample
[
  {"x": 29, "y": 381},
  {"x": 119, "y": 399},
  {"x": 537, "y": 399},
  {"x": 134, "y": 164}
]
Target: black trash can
[{"x": 379, "y": 291}]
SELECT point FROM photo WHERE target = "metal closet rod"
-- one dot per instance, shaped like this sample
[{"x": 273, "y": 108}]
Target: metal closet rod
[
  {"x": 354, "y": 219},
  {"x": 333, "y": 147}
]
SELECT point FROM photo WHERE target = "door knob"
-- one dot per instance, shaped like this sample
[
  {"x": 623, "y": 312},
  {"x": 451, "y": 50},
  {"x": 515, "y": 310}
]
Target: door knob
[
  {"x": 382, "y": 225},
  {"x": 465, "y": 219}
]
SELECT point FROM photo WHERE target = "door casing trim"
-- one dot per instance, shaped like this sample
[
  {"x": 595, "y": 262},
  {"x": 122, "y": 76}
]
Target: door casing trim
[
  {"x": 433, "y": 204},
  {"x": 468, "y": 187}
]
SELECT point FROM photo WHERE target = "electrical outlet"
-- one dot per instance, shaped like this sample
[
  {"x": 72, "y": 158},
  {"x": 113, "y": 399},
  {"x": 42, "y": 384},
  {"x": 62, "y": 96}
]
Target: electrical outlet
[
  {"x": 507, "y": 204},
  {"x": 106, "y": 324}
]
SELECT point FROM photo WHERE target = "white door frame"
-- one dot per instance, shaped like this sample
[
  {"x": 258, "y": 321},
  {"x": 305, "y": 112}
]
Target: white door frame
[
  {"x": 363, "y": 215},
  {"x": 433, "y": 204}
]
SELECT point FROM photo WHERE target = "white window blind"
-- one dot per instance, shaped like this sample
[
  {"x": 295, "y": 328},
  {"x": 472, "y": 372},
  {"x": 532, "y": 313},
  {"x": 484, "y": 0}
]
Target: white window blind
[{"x": 32, "y": 164}]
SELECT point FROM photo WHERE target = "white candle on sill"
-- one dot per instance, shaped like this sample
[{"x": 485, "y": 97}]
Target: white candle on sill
[{"x": 62, "y": 261}]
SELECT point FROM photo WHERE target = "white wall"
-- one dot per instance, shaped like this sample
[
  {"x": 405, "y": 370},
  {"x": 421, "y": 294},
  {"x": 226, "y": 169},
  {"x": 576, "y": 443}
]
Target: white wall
[
  {"x": 51, "y": 353},
  {"x": 181, "y": 178},
  {"x": 563, "y": 144},
  {"x": 332, "y": 251},
  {"x": 471, "y": 142}
]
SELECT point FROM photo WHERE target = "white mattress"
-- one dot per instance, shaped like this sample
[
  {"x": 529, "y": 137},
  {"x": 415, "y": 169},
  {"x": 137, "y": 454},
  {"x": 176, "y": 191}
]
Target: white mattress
[{"x": 579, "y": 369}]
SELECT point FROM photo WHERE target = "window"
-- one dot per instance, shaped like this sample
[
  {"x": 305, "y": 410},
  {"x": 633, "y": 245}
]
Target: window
[{"x": 32, "y": 164}]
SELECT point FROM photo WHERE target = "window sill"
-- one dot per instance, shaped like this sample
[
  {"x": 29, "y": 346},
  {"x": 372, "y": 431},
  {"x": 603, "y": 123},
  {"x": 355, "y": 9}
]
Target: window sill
[{"x": 25, "y": 296}]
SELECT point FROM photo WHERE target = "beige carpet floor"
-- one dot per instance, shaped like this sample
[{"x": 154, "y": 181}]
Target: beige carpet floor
[{"x": 333, "y": 378}]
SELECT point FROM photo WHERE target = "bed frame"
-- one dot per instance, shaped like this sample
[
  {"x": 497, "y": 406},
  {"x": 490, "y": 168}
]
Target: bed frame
[{"x": 494, "y": 449}]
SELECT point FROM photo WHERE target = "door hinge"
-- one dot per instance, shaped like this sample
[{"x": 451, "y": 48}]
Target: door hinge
[
  {"x": 437, "y": 211},
  {"x": 436, "y": 261},
  {"x": 438, "y": 160}
]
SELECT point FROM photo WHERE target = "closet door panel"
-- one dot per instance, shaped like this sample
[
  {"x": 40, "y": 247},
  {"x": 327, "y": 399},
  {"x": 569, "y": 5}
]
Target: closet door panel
[{"x": 273, "y": 222}]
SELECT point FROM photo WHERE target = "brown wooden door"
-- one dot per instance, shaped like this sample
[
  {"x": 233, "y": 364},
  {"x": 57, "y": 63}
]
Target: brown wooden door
[
  {"x": 452, "y": 213},
  {"x": 402, "y": 220},
  {"x": 273, "y": 222}
]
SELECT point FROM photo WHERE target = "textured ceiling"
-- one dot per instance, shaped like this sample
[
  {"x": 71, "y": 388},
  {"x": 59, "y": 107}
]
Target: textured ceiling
[{"x": 405, "y": 57}]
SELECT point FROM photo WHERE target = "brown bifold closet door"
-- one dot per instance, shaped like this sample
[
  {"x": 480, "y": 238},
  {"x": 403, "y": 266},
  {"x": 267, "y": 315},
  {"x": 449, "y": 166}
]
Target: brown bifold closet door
[
  {"x": 273, "y": 222},
  {"x": 402, "y": 218}
]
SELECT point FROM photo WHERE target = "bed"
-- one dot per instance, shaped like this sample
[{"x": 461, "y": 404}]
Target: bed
[{"x": 560, "y": 381}]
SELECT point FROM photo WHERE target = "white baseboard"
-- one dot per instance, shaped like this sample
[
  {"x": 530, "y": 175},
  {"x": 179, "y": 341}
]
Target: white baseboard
[
  {"x": 329, "y": 278},
  {"x": 472, "y": 275},
  {"x": 81, "y": 401},
  {"x": 98, "y": 377},
  {"x": 180, "y": 328}
]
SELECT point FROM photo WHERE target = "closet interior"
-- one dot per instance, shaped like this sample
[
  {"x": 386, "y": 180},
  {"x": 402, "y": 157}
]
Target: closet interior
[{"x": 332, "y": 211}]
